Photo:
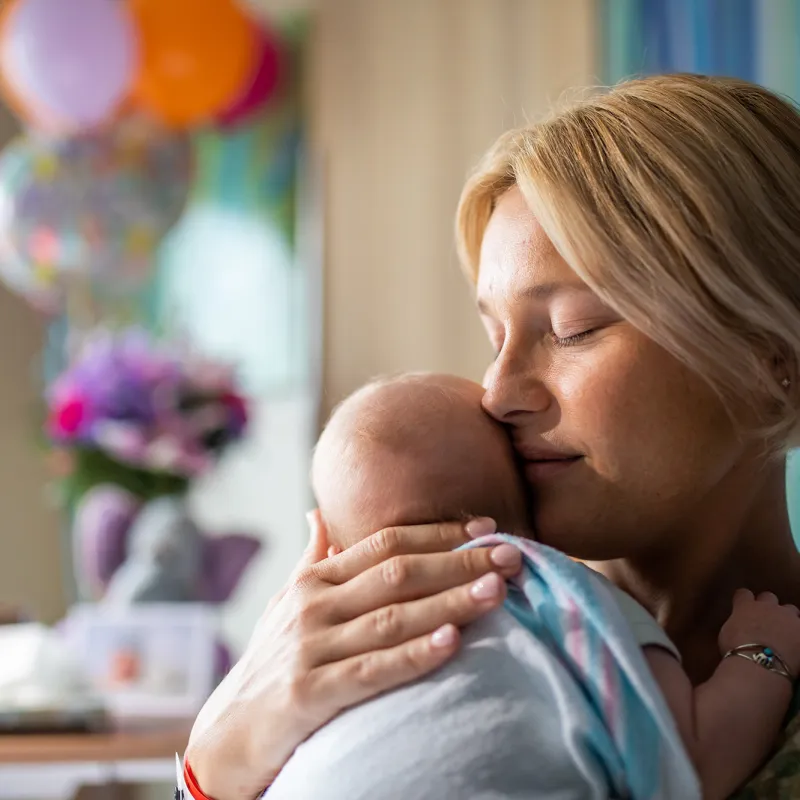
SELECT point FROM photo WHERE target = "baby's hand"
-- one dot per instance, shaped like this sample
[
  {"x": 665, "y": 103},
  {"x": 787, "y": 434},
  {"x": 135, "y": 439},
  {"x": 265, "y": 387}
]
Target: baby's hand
[{"x": 763, "y": 620}]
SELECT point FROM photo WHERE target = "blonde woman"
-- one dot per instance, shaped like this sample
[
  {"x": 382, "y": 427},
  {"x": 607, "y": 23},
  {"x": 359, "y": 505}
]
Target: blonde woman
[{"x": 636, "y": 259}]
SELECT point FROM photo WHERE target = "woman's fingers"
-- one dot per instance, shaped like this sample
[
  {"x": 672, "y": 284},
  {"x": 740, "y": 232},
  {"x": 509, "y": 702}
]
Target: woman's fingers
[
  {"x": 317, "y": 547},
  {"x": 394, "y": 624},
  {"x": 412, "y": 577},
  {"x": 399, "y": 541},
  {"x": 345, "y": 683}
]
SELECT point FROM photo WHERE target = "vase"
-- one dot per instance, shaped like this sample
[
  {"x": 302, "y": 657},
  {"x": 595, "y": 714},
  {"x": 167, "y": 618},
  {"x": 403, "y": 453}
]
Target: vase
[{"x": 132, "y": 551}]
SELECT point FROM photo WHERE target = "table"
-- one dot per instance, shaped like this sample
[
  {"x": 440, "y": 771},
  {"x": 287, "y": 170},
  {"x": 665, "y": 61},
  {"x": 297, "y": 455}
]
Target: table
[{"x": 55, "y": 766}]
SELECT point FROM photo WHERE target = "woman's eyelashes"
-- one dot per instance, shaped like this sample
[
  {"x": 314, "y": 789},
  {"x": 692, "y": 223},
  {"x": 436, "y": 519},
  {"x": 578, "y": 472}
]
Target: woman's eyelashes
[
  {"x": 559, "y": 341},
  {"x": 573, "y": 339},
  {"x": 558, "y": 332}
]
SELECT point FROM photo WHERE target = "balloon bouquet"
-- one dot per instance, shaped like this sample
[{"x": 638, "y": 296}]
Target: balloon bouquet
[{"x": 109, "y": 92}]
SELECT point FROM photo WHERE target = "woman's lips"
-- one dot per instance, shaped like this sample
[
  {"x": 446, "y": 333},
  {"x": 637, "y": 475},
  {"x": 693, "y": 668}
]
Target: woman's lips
[{"x": 545, "y": 469}]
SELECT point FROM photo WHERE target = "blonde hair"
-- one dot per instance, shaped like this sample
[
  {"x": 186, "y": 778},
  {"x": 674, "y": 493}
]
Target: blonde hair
[{"x": 676, "y": 198}]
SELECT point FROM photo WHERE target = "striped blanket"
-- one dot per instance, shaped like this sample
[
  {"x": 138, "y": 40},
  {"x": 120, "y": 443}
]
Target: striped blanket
[{"x": 633, "y": 737}]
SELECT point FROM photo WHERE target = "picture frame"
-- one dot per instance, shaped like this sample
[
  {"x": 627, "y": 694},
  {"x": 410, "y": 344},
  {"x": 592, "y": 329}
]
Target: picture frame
[{"x": 146, "y": 661}]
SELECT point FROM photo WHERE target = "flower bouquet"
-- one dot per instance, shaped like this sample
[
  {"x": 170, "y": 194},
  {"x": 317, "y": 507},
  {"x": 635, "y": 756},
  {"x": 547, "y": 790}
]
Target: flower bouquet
[
  {"x": 133, "y": 421},
  {"x": 144, "y": 415}
]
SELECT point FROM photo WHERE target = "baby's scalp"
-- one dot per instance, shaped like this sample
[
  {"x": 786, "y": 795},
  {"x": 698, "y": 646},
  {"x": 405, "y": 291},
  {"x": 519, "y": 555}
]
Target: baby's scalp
[{"x": 411, "y": 449}]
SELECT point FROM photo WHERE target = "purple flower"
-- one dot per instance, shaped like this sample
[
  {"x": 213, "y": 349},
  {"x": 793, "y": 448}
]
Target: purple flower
[{"x": 147, "y": 404}]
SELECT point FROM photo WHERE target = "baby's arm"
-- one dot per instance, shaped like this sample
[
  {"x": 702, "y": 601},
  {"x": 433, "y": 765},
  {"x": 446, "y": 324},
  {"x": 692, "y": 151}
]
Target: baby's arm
[{"x": 730, "y": 723}]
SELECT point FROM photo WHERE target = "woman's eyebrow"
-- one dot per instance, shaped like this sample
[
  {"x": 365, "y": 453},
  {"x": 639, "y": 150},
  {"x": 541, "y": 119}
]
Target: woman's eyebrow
[{"x": 541, "y": 291}]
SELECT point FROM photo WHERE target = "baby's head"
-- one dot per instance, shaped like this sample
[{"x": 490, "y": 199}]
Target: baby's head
[{"x": 414, "y": 449}]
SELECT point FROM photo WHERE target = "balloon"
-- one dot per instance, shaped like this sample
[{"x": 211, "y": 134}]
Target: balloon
[
  {"x": 69, "y": 63},
  {"x": 262, "y": 84},
  {"x": 196, "y": 57},
  {"x": 94, "y": 206},
  {"x": 38, "y": 284},
  {"x": 40, "y": 287},
  {"x": 35, "y": 116}
]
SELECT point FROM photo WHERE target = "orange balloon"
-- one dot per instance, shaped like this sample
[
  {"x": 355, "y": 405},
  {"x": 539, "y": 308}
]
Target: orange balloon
[{"x": 197, "y": 56}]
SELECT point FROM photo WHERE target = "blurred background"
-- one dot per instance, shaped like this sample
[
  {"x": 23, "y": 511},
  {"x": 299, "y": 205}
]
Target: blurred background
[{"x": 217, "y": 219}]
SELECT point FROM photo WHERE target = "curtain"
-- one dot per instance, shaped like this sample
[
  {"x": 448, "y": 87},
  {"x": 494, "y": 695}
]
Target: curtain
[{"x": 752, "y": 39}]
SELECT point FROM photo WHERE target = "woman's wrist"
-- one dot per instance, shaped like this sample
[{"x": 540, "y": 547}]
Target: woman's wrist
[
  {"x": 191, "y": 784},
  {"x": 218, "y": 775},
  {"x": 209, "y": 778}
]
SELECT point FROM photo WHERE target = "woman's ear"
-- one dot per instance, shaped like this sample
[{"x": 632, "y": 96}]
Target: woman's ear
[{"x": 785, "y": 369}]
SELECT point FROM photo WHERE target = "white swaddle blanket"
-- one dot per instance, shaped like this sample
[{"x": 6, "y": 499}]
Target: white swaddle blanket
[{"x": 505, "y": 719}]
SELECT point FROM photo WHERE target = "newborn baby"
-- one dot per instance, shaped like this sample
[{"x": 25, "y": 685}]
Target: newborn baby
[
  {"x": 500, "y": 720},
  {"x": 411, "y": 450}
]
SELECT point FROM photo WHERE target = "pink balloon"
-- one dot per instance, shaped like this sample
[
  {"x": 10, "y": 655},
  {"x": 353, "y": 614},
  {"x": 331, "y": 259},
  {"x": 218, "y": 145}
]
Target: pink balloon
[{"x": 262, "y": 85}]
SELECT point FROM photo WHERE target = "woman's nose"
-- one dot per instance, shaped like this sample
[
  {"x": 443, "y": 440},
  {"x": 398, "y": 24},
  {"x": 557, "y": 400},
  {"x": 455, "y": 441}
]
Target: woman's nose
[{"x": 513, "y": 389}]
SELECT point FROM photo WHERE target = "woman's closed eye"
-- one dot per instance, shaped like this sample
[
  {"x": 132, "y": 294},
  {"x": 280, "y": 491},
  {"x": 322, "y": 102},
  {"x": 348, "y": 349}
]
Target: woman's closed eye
[
  {"x": 572, "y": 331},
  {"x": 572, "y": 339}
]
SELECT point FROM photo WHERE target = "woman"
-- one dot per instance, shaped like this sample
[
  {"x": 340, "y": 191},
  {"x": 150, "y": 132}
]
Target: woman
[{"x": 636, "y": 265}]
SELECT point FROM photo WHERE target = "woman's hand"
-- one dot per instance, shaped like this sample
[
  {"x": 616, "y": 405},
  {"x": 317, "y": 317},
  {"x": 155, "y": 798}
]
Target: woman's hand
[{"x": 344, "y": 629}]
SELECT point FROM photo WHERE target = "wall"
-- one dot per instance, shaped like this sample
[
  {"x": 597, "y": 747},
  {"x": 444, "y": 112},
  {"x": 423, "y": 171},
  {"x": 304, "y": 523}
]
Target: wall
[
  {"x": 30, "y": 554},
  {"x": 262, "y": 489},
  {"x": 406, "y": 97}
]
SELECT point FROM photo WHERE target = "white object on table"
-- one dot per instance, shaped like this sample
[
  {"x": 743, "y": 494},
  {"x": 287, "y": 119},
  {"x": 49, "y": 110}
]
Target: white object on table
[{"x": 61, "y": 780}]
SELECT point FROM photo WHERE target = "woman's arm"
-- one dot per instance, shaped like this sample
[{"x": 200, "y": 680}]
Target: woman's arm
[{"x": 344, "y": 629}]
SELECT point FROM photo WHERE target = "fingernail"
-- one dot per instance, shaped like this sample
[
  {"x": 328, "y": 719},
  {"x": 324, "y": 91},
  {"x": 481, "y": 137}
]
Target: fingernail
[
  {"x": 506, "y": 556},
  {"x": 480, "y": 526},
  {"x": 487, "y": 588},
  {"x": 444, "y": 636}
]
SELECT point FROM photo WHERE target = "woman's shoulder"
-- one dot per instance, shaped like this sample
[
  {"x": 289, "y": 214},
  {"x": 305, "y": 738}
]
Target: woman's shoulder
[{"x": 779, "y": 778}]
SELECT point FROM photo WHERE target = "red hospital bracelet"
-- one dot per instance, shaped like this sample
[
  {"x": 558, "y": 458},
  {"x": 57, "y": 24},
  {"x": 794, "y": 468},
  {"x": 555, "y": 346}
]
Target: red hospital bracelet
[{"x": 191, "y": 783}]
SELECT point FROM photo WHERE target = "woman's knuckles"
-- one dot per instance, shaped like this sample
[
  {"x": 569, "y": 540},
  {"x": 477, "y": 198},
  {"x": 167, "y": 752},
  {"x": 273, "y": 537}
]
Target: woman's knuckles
[
  {"x": 308, "y": 617},
  {"x": 387, "y": 624},
  {"x": 395, "y": 572},
  {"x": 475, "y": 562},
  {"x": 386, "y": 543},
  {"x": 307, "y": 579}
]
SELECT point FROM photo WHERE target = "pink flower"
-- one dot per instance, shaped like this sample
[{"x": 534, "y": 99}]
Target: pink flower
[
  {"x": 237, "y": 411},
  {"x": 67, "y": 418}
]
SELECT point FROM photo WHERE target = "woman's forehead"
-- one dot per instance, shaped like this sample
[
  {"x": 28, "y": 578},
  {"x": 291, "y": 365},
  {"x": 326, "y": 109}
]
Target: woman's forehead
[{"x": 517, "y": 257}]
